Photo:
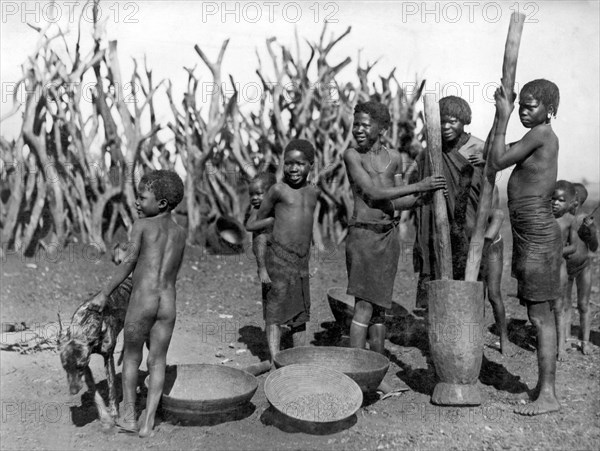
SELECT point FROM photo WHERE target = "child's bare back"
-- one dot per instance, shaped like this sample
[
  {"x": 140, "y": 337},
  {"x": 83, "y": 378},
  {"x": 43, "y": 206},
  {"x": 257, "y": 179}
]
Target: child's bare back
[
  {"x": 155, "y": 254},
  {"x": 161, "y": 243}
]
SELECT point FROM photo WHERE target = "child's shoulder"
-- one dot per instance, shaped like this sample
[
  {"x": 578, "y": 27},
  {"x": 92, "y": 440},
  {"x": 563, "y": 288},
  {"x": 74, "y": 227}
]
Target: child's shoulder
[{"x": 542, "y": 131}]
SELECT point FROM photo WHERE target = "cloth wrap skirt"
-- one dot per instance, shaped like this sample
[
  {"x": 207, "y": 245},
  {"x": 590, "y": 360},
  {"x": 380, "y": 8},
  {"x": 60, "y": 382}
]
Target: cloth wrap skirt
[
  {"x": 372, "y": 252},
  {"x": 537, "y": 249},
  {"x": 286, "y": 300}
]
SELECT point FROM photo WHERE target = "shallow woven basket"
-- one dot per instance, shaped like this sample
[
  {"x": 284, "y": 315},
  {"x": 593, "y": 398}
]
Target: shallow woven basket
[
  {"x": 366, "y": 368},
  {"x": 313, "y": 393},
  {"x": 191, "y": 390}
]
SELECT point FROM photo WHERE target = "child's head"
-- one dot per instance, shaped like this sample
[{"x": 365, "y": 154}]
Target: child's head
[
  {"x": 455, "y": 113},
  {"x": 371, "y": 120},
  {"x": 159, "y": 191},
  {"x": 298, "y": 159},
  {"x": 538, "y": 102},
  {"x": 563, "y": 198},
  {"x": 581, "y": 193},
  {"x": 259, "y": 186}
]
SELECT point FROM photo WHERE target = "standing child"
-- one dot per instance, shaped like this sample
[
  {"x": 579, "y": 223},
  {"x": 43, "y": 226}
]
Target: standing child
[
  {"x": 156, "y": 252},
  {"x": 579, "y": 270},
  {"x": 373, "y": 245},
  {"x": 292, "y": 203},
  {"x": 537, "y": 243},
  {"x": 259, "y": 186},
  {"x": 563, "y": 201}
]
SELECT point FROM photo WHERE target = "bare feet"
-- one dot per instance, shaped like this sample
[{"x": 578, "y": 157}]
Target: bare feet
[
  {"x": 561, "y": 356},
  {"x": 147, "y": 429},
  {"x": 506, "y": 348},
  {"x": 586, "y": 347},
  {"x": 145, "y": 425},
  {"x": 263, "y": 275},
  {"x": 544, "y": 404},
  {"x": 128, "y": 426}
]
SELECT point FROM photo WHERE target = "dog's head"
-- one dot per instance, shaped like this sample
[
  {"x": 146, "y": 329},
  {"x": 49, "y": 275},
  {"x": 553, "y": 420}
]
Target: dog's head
[{"x": 75, "y": 358}]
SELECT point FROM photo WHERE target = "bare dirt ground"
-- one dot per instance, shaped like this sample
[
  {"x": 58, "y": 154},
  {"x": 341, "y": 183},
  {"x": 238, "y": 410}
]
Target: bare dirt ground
[{"x": 219, "y": 313}]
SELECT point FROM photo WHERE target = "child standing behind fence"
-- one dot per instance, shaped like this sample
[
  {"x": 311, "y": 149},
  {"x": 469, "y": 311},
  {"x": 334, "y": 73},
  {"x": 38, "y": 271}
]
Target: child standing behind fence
[{"x": 292, "y": 203}]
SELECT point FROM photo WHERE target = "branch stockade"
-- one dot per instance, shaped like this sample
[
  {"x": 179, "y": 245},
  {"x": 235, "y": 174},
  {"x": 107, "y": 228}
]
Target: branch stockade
[
  {"x": 60, "y": 189},
  {"x": 319, "y": 162}
]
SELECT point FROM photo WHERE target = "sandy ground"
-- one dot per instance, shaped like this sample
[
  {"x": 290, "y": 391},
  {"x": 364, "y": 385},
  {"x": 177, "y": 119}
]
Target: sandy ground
[{"x": 219, "y": 313}]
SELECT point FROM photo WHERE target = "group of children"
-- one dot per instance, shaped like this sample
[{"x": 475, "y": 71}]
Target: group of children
[
  {"x": 281, "y": 220},
  {"x": 579, "y": 238}
]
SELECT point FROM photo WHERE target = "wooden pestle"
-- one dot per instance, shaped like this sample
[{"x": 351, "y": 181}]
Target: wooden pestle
[
  {"x": 443, "y": 249},
  {"x": 509, "y": 69}
]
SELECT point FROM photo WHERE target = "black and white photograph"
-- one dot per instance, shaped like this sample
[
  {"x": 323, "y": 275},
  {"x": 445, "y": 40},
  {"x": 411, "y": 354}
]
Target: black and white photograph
[{"x": 299, "y": 225}]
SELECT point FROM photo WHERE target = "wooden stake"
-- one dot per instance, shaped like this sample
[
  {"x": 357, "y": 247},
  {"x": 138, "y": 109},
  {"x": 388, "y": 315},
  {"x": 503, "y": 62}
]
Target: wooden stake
[
  {"x": 443, "y": 248},
  {"x": 509, "y": 70}
]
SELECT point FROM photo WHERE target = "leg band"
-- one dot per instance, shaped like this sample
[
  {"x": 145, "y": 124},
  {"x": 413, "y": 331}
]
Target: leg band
[{"x": 359, "y": 324}]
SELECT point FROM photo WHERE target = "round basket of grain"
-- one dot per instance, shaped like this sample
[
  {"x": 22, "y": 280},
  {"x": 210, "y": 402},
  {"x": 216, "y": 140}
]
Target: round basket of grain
[
  {"x": 313, "y": 393},
  {"x": 366, "y": 368},
  {"x": 195, "y": 390}
]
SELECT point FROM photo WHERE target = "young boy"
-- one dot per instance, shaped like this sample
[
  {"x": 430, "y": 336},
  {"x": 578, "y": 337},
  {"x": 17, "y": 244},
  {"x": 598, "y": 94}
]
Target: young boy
[
  {"x": 579, "y": 270},
  {"x": 563, "y": 201},
  {"x": 156, "y": 251},
  {"x": 537, "y": 243},
  {"x": 373, "y": 246},
  {"x": 292, "y": 203}
]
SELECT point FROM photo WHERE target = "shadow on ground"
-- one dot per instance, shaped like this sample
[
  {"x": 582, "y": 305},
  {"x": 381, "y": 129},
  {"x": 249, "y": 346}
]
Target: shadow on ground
[{"x": 87, "y": 413}]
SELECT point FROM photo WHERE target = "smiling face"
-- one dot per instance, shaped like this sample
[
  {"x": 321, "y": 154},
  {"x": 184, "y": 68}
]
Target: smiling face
[
  {"x": 532, "y": 112},
  {"x": 561, "y": 203},
  {"x": 257, "y": 193},
  {"x": 452, "y": 128},
  {"x": 296, "y": 167},
  {"x": 147, "y": 205},
  {"x": 366, "y": 131}
]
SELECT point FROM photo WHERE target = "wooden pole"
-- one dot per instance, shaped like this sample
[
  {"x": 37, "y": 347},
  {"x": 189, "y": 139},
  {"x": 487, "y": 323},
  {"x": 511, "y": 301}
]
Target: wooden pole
[
  {"x": 443, "y": 250},
  {"x": 509, "y": 69}
]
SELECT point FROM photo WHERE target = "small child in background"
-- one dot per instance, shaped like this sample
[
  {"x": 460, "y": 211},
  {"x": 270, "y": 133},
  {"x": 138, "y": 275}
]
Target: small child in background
[
  {"x": 154, "y": 258},
  {"x": 579, "y": 269},
  {"x": 563, "y": 201},
  {"x": 259, "y": 186},
  {"x": 291, "y": 203}
]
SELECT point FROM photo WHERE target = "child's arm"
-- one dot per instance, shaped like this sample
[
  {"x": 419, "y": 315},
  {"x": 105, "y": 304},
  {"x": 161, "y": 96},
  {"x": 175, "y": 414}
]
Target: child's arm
[
  {"x": 254, "y": 225},
  {"x": 588, "y": 234},
  {"x": 123, "y": 270},
  {"x": 571, "y": 246},
  {"x": 373, "y": 193},
  {"x": 501, "y": 156},
  {"x": 261, "y": 253},
  {"x": 408, "y": 202},
  {"x": 267, "y": 208}
]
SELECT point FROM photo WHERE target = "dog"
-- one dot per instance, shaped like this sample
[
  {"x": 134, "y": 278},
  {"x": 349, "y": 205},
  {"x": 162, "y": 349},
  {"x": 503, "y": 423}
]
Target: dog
[{"x": 93, "y": 332}]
